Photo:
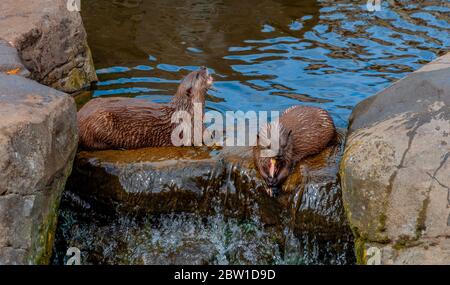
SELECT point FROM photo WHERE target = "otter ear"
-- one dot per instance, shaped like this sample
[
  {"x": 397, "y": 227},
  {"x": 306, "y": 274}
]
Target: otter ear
[{"x": 189, "y": 91}]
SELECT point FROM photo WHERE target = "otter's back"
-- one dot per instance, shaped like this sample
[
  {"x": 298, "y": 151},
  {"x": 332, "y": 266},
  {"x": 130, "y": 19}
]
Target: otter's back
[
  {"x": 312, "y": 129},
  {"x": 124, "y": 123}
]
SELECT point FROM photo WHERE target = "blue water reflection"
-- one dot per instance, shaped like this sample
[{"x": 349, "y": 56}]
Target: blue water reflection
[{"x": 330, "y": 54}]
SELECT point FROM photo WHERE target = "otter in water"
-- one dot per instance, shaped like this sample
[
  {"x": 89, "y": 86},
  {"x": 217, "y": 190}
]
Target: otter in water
[
  {"x": 129, "y": 123},
  {"x": 303, "y": 131}
]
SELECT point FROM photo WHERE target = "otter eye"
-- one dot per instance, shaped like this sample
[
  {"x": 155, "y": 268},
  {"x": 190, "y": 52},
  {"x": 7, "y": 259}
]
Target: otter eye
[
  {"x": 189, "y": 92},
  {"x": 197, "y": 76}
]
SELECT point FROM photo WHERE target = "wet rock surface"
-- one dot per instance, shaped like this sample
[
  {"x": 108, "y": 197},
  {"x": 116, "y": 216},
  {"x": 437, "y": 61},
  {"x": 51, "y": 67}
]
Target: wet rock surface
[
  {"x": 200, "y": 206},
  {"x": 51, "y": 42},
  {"x": 10, "y": 61},
  {"x": 38, "y": 140},
  {"x": 395, "y": 170}
]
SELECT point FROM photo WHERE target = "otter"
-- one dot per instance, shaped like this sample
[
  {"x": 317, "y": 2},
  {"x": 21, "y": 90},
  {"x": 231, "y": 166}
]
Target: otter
[
  {"x": 129, "y": 123},
  {"x": 303, "y": 131}
]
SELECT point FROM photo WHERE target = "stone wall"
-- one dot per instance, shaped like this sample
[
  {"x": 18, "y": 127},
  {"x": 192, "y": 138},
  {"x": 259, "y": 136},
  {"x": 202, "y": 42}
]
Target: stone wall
[
  {"x": 44, "y": 42},
  {"x": 396, "y": 170},
  {"x": 38, "y": 140},
  {"x": 51, "y": 42}
]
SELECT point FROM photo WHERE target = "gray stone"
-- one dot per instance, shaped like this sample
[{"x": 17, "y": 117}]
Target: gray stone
[
  {"x": 426, "y": 252},
  {"x": 396, "y": 166},
  {"x": 38, "y": 140},
  {"x": 51, "y": 42},
  {"x": 10, "y": 61}
]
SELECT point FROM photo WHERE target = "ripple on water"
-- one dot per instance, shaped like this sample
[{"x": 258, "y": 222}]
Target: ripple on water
[{"x": 359, "y": 52}]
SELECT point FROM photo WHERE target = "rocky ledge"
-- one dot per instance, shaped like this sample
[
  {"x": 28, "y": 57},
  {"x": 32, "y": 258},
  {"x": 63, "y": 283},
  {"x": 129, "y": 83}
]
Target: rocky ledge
[
  {"x": 396, "y": 170},
  {"x": 43, "y": 41},
  {"x": 51, "y": 42},
  {"x": 10, "y": 62},
  {"x": 38, "y": 140},
  {"x": 307, "y": 221}
]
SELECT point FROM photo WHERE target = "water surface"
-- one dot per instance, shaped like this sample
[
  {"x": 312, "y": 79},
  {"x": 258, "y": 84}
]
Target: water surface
[{"x": 266, "y": 55}]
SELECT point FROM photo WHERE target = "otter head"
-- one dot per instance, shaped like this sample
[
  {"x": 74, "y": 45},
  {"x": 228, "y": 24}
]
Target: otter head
[
  {"x": 193, "y": 88},
  {"x": 274, "y": 163}
]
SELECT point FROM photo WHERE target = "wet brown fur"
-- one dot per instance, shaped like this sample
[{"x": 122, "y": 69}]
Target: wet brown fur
[
  {"x": 129, "y": 123},
  {"x": 304, "y": 131}
]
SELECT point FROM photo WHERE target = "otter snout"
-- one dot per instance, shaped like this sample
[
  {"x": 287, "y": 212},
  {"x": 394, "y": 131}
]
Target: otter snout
[{"x": 209, "y": 78}]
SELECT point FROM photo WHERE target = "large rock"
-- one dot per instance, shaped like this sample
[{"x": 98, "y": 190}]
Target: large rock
[
  {"x": 194, "y": 180},
  {"x": 396, "y": 170},
  {"x": 38, "y": 140},
  {"x": 51, "y": 41},
  {"x": 230, "y": 218}
]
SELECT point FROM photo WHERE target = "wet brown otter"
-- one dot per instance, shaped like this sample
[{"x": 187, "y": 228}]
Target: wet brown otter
[
  {"x": 303, "y": 131},
  {"x": 128, "y": 123}
]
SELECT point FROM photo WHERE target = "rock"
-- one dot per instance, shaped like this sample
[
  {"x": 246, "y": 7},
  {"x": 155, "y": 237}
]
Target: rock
[
  {"x": 429, "y": 251},
  {"x": 51, "y": 42},
  {"x": 10, "y": 61},
  {"x": 38, "y": 140},
  {"x": 217, "y": 186},
  {"x": 173, "y": 179},
  {"x": 395, "y": 169},
  {"x": 162, "y": 180}
]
